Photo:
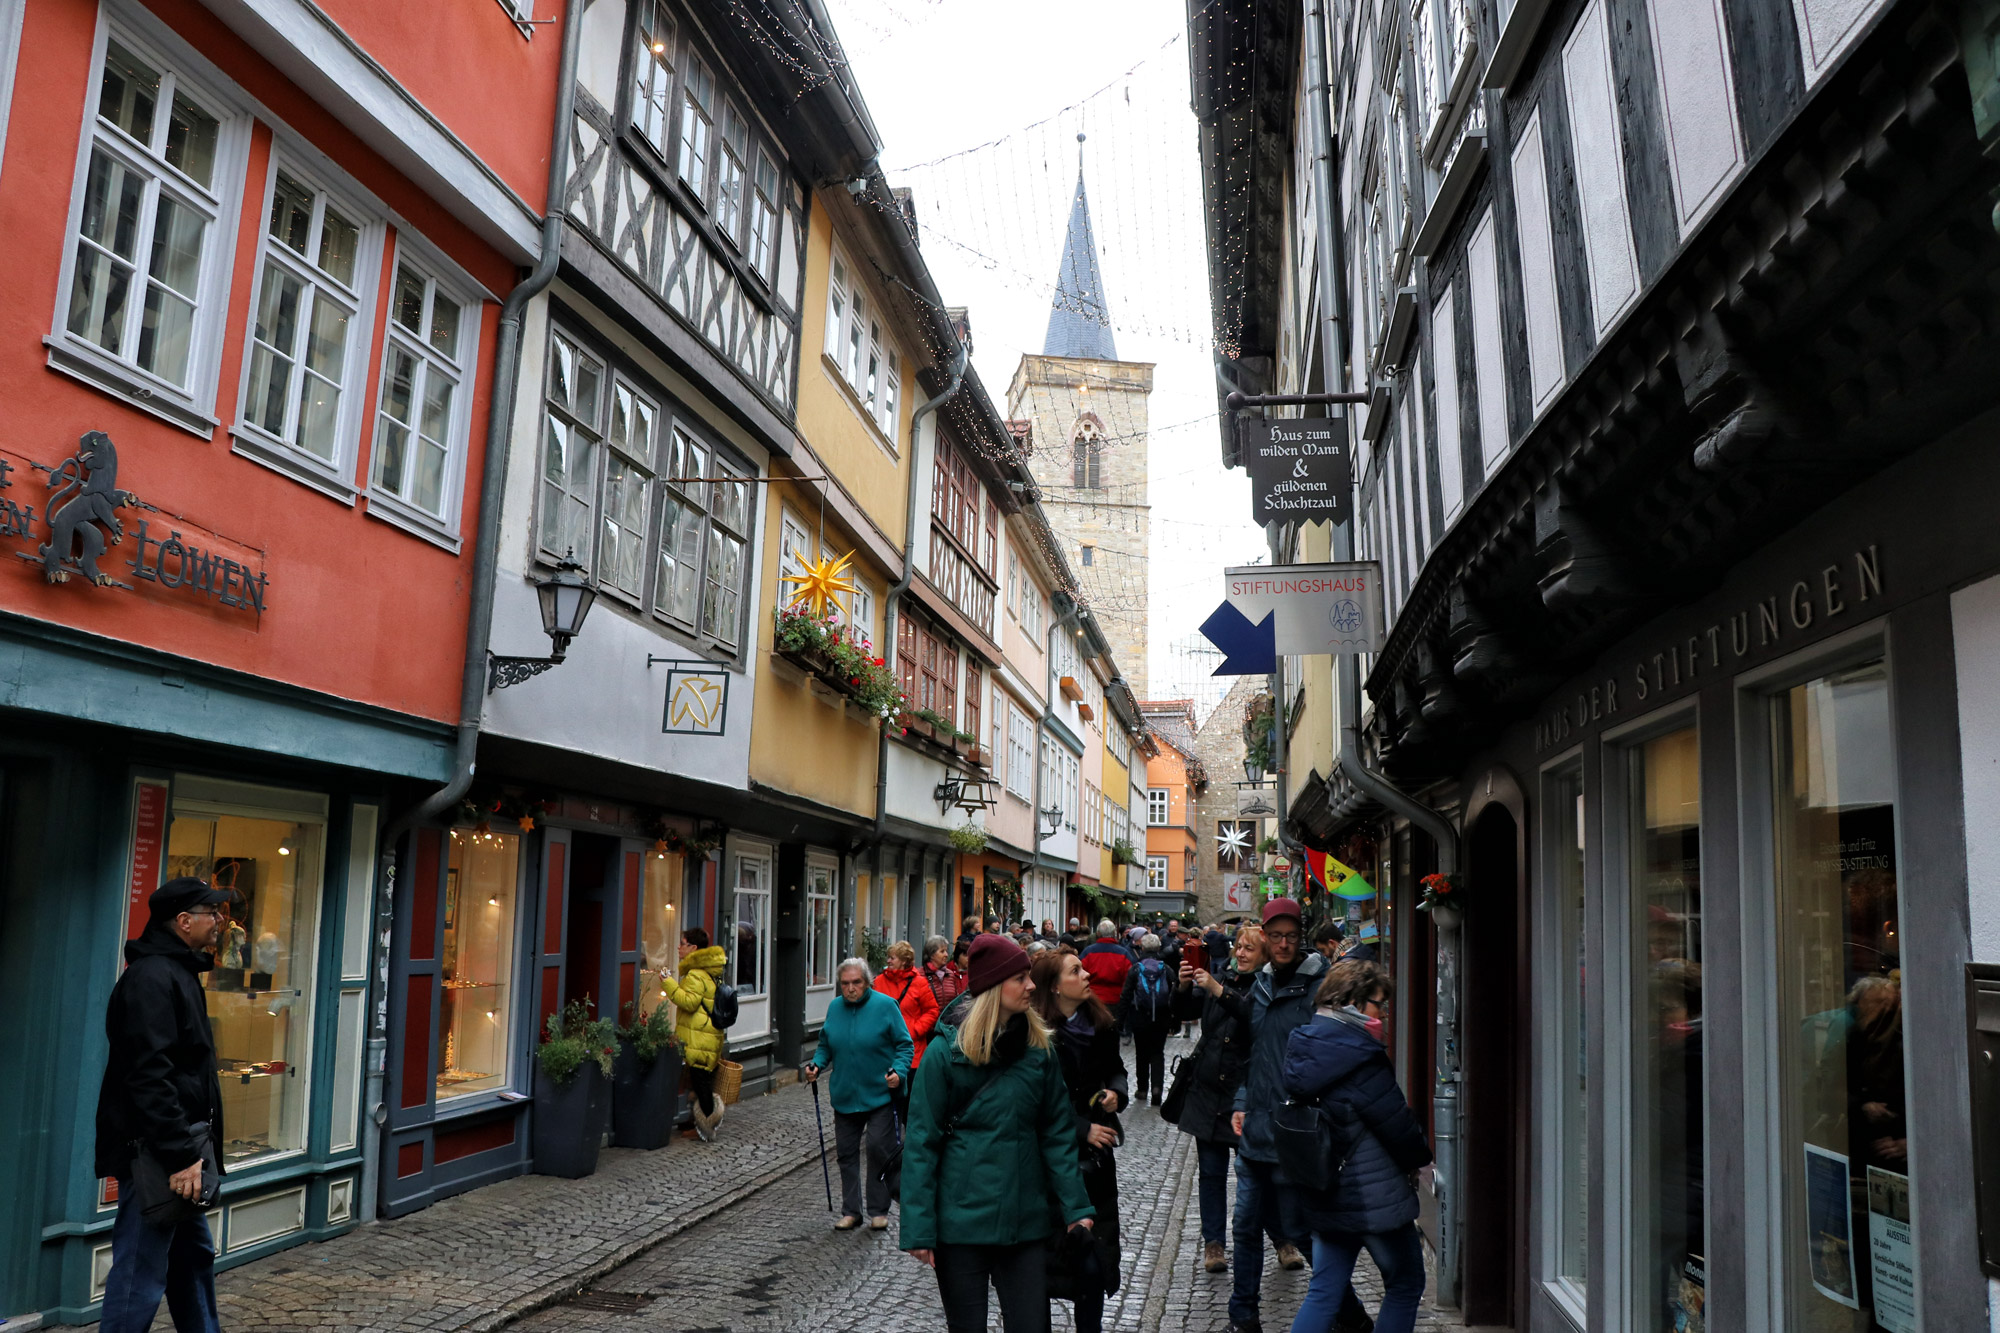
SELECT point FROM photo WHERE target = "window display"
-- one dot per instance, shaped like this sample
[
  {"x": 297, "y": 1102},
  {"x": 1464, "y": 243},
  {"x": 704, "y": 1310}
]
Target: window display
[
  {"x": 659, "y": 925},
  {"x": 480, "y": 895},
  {"x": 753, "y": 926},
  {"x": 1669, "y": 1143},
  {"x": 1851, "y": 1254},
  {"x": 268, "y": 855}
]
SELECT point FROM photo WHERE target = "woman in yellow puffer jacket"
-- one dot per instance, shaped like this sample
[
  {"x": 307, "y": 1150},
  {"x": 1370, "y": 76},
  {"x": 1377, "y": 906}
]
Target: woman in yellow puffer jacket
[{"x": 693, "y": 993}]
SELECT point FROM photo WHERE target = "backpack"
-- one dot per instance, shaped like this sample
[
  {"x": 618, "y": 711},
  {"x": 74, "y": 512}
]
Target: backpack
[
  {"x": 1314, "y": 1140},
  {"x": 1150, "y": 993},
  {"x": 722, "y": 1009}
]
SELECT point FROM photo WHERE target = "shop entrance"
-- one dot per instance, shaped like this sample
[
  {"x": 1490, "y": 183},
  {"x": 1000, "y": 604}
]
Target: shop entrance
[
  {"x": 593, "y": 908},
  {"x": 1493, "y": 1251}
]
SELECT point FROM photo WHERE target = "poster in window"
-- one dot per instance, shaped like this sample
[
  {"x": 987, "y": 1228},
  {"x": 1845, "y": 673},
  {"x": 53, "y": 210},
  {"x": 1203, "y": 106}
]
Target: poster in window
[
  {"x": 1238, "y": 892},
  {"x": 1830, "y": 1226},
  {"x": 1892, "y": 1252}
]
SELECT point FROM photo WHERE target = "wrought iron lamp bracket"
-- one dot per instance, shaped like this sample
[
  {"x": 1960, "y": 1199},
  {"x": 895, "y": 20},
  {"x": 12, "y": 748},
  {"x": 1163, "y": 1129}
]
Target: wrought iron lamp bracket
[{"x": 504, "y": 671}]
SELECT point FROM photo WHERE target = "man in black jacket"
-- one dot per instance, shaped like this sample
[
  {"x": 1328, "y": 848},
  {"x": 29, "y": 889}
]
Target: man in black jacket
[{"x": 160, "y": 1095}]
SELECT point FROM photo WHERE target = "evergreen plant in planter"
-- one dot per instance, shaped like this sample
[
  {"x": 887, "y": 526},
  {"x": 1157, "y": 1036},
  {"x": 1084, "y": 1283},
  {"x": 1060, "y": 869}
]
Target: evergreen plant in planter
[
  {"x": 645, "y": 1079},
  {"x": 572, "y": 1070}
]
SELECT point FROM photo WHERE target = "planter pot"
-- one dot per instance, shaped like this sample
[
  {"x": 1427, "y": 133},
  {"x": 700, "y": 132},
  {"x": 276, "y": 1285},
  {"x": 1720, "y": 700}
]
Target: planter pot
[
  {"x": 567, "y": 1133},
  {"x": 1447, "y": 917},
  {"x": 642, "y": 1097}
]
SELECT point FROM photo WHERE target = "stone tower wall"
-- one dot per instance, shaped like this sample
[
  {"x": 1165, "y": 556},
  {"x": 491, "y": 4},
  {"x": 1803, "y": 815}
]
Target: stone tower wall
[{"x": 1055, "y": 393}]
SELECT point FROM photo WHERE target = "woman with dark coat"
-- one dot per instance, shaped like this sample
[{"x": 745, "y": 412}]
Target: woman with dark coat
[
  {"x": 1222, "y": 1003},
  {"x": 989, "y": 1160},
  {"x": 1338, "y": 1060},
  {"x": 1094, "y": 1072}
]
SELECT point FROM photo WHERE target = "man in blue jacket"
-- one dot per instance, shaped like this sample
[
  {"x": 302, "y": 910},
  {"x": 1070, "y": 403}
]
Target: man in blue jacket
[
  {"x": 1280, "y": 999},
  {"x": 868, "y": 1046}
]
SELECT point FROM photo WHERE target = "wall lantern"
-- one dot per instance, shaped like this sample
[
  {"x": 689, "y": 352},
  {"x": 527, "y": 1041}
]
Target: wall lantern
[
  {"x": 1054, "y": 816},
  {"x": 565, "y": 598}
]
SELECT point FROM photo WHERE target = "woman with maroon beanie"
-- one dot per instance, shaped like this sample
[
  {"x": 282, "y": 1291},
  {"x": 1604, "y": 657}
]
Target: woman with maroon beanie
[{"x": 990, "y": 1167}]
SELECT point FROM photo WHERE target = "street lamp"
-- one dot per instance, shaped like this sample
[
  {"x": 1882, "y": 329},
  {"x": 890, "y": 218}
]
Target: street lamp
[
  {"x": 566, "y": 598},
  {"x": 1253, "y": 769},
  {"x": 1054, "y": 815}
]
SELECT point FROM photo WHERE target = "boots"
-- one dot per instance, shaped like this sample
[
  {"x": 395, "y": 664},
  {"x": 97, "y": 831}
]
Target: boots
[
  {"x": 1213, "y": 1258},
  {"x": 1289, "y": 1257},
  {"x": 705, "y": 1126}
]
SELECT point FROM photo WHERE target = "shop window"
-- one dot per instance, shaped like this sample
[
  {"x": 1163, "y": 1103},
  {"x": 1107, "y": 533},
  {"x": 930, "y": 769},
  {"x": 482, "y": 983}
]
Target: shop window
[
  {"x": 753, "y": 926},
  {"x": 423, "y": 418},
  {"x": 1850, "y": 1253},
  {"x": 1670, "y": 1141},
  {"x": 146, "y": 279},
  {"x": 1569, "y": 1078},
  {"x": 310, "y": 317},
  {"x": 481, "y": 912},
  {"x": 266, "y": 848},
  {"x": 660, "y": 925},
  {"x": 822, "y": 926}
]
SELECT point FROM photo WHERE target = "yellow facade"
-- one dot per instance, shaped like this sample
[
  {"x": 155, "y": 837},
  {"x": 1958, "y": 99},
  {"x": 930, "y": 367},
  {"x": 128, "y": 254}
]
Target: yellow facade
[
  {"x": 805, "y": 738},
  {"x": 1117, "y": 783}
]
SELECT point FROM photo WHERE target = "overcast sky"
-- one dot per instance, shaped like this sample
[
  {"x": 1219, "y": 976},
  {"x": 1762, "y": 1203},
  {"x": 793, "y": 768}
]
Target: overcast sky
[{"x": 979, "y": 105}]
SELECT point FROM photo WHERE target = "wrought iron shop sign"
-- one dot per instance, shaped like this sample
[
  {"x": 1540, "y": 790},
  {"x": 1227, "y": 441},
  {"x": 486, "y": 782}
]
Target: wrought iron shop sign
[
  {"x": 697, "y": 701},
  {"x": 1299, "y": 469},
  {"x": 81, "y": 520}
]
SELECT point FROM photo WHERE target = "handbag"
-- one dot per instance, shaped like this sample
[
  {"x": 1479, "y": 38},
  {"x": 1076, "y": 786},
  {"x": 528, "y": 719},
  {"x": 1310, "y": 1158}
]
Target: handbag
[
  {"x": 1313, "y": 1141},
  {"x": 153, "y": 1193},
  {"x": 1177, "y": 1091}
]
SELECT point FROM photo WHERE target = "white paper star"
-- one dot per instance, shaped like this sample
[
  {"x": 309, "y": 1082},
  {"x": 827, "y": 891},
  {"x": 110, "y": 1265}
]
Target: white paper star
[{"x": 1233, "y": 841}]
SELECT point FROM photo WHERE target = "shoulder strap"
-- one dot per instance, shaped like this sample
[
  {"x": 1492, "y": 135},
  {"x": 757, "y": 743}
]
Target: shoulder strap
[
  {"x": 906, "y": 990},
  {"x": 956, "y": 1110}
]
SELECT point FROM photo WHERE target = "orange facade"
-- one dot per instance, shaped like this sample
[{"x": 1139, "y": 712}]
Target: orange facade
[
  {"x": 1174, "y": 839},
  {"x": 328, "y": 595}
]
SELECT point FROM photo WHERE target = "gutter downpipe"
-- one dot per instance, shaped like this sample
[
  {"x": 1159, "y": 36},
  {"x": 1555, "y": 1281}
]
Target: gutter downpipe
[
  {"x": 1447, "y": 1115},
  {"x": 479, "y": 623},
  {"x": 893, "y": 603}
]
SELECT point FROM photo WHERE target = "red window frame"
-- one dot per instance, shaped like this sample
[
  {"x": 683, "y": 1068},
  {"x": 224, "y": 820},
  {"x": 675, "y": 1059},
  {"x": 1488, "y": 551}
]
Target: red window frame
[
  {"x": 948, "y": 682},
  {"x": 975, "y": 692}
]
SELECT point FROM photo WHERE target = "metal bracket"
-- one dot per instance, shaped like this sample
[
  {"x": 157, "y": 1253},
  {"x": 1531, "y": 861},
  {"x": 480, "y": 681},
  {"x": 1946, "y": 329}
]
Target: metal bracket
[{"x": 504, "y": 671}]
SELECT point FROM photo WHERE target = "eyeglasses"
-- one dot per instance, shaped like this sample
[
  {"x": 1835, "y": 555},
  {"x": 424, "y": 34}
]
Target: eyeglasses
[
  {"x": 1283, "y": 936},
  {"x": 208, "y": 911}
]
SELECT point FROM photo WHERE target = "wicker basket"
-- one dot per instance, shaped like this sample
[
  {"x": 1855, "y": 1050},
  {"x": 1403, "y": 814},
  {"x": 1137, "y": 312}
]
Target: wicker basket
[{"x": 728, "y": 1081}]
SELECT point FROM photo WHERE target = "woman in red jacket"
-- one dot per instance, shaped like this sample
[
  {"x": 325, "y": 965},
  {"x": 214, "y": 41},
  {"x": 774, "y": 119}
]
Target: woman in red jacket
[{"x": 901, "y": 982}]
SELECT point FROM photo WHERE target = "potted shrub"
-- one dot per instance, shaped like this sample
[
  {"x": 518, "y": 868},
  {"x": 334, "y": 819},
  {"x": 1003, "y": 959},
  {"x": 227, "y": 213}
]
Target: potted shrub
[
  {"x": 645, "y": 1079},
  {"x": 572, "y": 1069},
  {"x": 968, "y": 838}
]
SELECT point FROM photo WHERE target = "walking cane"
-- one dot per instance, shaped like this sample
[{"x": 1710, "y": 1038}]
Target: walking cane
[{"x": 824, "y": 1170}]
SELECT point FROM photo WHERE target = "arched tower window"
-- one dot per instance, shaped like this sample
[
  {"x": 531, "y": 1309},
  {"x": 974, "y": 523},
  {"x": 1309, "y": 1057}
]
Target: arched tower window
[{"x": 1087, "y": 454}]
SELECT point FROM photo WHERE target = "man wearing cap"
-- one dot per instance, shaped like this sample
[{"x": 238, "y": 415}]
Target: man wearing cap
[
  {"x": 160, "y": 1095},
  {"x": 1281, "y": 999}
]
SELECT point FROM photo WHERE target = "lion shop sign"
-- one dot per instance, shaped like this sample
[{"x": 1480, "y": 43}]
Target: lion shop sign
[
  {"x": 81, "y": 523},
  {"x": 1298, "y": 469}
]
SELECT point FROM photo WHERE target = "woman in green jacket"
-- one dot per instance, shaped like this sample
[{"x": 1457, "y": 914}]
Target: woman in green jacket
[
  {"x": 693, "y": 993},
  {"x": 990, "y": 1168}
]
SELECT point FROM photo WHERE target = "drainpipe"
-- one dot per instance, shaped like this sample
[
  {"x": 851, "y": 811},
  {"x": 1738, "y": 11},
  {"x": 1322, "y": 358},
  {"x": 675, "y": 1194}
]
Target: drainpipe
[
  {"x": 479, "y": 623},
  {"x": 894, "y": 601}
]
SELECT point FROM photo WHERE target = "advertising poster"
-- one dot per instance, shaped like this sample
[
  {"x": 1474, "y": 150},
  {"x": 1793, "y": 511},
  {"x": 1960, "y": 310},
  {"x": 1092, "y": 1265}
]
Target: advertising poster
[
  {"x": 1891, "y": 1251},
  {"x": 1238, "y": 893},
  {"x": 1830, "y": 1226}
]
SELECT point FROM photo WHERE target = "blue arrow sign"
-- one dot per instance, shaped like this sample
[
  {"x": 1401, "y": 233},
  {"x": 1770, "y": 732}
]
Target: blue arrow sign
[{"x": 1248, "y": 648}]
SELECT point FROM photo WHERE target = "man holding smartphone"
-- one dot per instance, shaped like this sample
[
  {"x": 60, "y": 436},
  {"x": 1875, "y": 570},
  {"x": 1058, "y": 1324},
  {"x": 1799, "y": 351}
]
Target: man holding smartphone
[{"x": 160, "y": 1096}]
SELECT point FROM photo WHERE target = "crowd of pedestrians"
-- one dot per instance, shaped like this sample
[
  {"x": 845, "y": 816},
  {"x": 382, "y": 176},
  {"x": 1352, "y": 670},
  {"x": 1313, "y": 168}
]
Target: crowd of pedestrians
[{"x": 981, "y": 1087}]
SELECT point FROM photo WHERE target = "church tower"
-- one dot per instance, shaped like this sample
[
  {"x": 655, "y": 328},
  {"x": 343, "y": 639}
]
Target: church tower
[{"x": 1090, "y": 422}]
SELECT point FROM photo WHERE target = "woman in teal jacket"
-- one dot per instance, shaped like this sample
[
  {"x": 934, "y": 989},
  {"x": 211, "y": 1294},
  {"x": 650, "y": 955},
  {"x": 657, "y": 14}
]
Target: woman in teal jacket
[
  {"x": 868, "y": 1047},
  {"x": 990, "y": 1167}
]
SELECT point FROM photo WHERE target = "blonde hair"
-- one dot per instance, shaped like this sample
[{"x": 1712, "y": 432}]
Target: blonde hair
[
  {"x": 982, "y": 1026},
  {"x": 1251, "y": 935},
  {"x": 902, "y": 952}
]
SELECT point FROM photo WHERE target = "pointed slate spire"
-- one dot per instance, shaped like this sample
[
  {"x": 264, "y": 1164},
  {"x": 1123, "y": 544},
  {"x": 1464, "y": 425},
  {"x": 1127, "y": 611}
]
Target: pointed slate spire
[{"x": 1080, "y": 318}]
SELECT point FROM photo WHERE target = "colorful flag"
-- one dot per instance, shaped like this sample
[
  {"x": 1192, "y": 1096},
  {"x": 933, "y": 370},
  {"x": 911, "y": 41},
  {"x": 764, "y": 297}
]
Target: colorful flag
[{"x": 1339, "y": 878}]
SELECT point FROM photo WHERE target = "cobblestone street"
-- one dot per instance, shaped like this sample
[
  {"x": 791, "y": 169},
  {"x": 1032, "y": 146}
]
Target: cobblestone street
[{"x": 730, "y": 1237}]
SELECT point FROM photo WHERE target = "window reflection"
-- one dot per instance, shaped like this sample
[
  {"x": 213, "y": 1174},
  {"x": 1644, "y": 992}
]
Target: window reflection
[
  {"x": 1852, "y": 1254},
  {"x": 660, "y": 925},
  {"x": 1670, "y": 1154},
  {"x": 260, "y": 991}
]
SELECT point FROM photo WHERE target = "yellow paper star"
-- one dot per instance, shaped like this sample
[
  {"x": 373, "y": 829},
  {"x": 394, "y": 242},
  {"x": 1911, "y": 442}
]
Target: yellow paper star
[{"x": 820, "y": 583}]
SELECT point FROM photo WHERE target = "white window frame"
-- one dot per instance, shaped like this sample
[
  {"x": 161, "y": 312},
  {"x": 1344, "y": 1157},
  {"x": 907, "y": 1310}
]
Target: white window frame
[
  {"x": 444, "y": 528},
  {"x": 820, "y": 866},
  {"x": 765, "y": 207},
  {"x": 861, "y": 611},
  {"x": 640, "y": 458},
  {"x": 190, "y": 406},
  {"x": 1020, "y": 753},
  {"x": 1156, "y": 874},
  {"x": 655, "y": 77},
  {"x": 755, "y": 1005},
  {"x": 694, "y": 146},
  {"x": 336, "y": 476},
  {"x": 866, "y": 359},
  {"x": 1159, "y": 807}
]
